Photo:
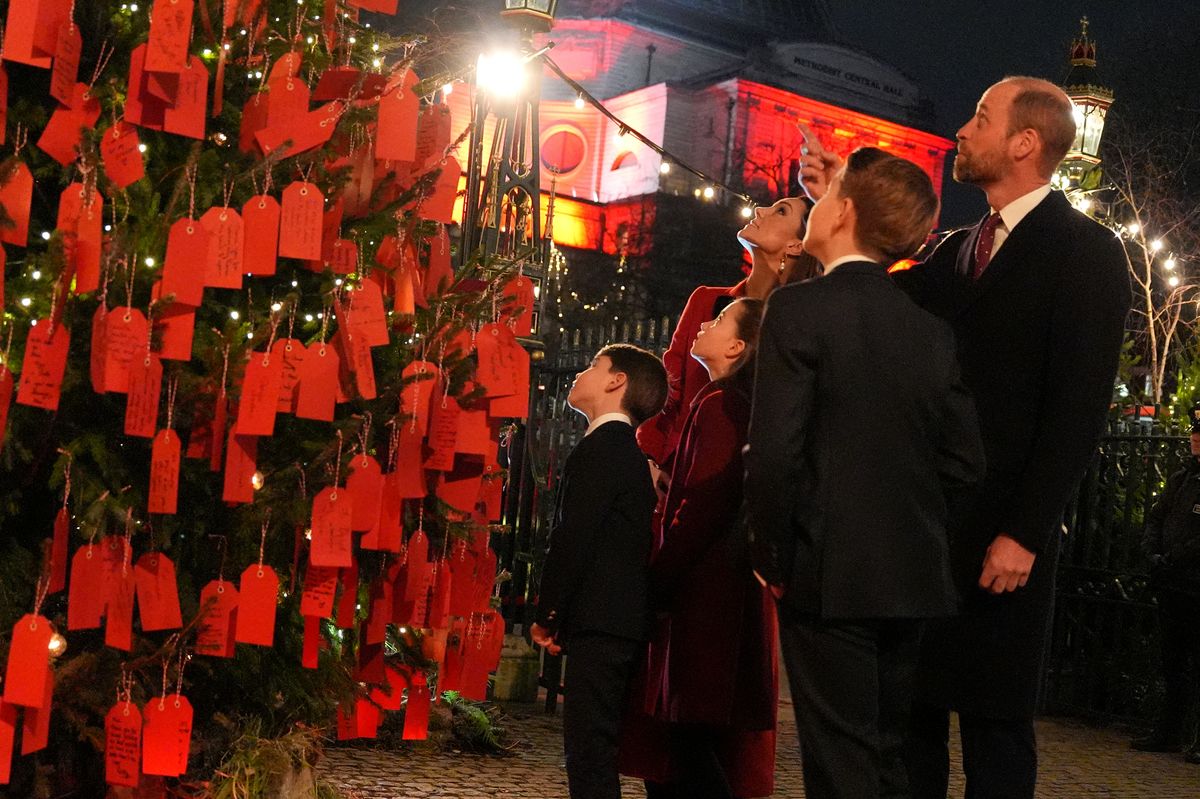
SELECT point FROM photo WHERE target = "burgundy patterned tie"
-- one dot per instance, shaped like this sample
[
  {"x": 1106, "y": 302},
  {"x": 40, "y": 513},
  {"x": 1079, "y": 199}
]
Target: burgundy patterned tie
[{"x": 983, "y": 245}]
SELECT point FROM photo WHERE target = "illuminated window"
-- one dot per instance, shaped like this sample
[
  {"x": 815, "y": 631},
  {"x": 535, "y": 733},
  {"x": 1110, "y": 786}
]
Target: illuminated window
[
  {"x": 563, "y": 149},
  {"x": 623, "y": 161}
]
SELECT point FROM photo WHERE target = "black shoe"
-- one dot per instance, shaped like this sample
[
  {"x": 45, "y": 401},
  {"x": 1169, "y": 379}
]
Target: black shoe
[
  {"x": 1157, "y": 742},
  {"x": 1192, "y": 755}
]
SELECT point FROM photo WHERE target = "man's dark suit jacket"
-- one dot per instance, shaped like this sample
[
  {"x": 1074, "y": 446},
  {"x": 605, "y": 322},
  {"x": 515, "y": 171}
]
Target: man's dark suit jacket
[
  {"x": 595, "y": 574},
  {"x": 1039, "y": 338},
  {"x": 860, "y": 430}
]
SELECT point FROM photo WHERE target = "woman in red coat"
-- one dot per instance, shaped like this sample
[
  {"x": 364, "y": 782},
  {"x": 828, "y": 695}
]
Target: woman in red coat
[
  {"x": 773, "y": 238},
  {"x": 711, "y": 675}
]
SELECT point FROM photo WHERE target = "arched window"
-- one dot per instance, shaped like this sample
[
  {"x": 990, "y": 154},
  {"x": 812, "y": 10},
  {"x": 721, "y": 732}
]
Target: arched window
[{"x": 624, "y": 160}]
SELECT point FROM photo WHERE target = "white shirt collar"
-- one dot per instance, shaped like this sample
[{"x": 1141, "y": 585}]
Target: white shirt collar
[
  {"x": 1012, "y": 214},
  {"x": 845, "y": 259},
  {"x": 605, "y": 418}
]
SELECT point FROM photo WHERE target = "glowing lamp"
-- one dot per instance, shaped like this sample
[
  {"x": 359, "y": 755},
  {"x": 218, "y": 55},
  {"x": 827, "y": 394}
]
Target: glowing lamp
[{"x": 534, "y": 13}]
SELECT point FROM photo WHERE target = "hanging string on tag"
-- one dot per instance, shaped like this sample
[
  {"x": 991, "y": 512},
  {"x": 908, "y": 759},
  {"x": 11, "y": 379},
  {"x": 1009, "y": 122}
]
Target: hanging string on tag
[
  {"x": 20, "y": 139},
  {"x": 129, "y": 268},
  {"x": 7, "y": 345},
  {"x": 227, "y": 193},
  {"x": 184, "y": 657},
  {"x": 190, "y": 175},
  {"x": 364, "y": 436},
  {"x": 221, "y": 568},
  {"x": 262, "y": 543},
  {"x": 224, "y": 366},
  {"x": 125, "y": 689},
  {"x": 337, "y": 469},
  {"x": 274, "y": 320},
  {"x": 106, "y": 51},
  {"x": 127, "y": 555},
  {"x": 66, "y": 476},
  {"x": 171, "y": 646},
  {"x": 393, "y": 444},
  {"x": 172, "y": 389},
  {"x": 39, "y": 596},
  {"x": 326, "y": 309}
]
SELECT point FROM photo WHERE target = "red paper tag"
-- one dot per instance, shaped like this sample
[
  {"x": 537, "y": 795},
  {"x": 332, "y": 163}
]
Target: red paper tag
[
  {"x": 157, "y": 593},
  {"x": 145, "y": 386},
  {"x": 215, "y": 636},
  {"x": 45, "y": 361},
  {"x": 410, "y": 476},
  {"x": 118, "y": 613},
  {"x": 3, "y": 128},
  {"x": 516, "y": 405},
  {"x": 183, "y": 270},
  {"x": 396, "y": 134},
  {"x": 347, "y": 605},
  {"x": 16, "y": 195},
  {"x": 123, "y": 745},
  {"x": 167, "y": 737},
  {"x": 332, "y": 515},
  {"x": 474, "y": 433},
  {"x": 320, "y": 585},
  {"x": 491, "y": 495},
  {"x": 175, "y": 325},
  {"x": 260, "y": 395},
  {"x": 312, "y": 130},
  {"x": 164, "y": 472},
  {"x": 28, "y": 661},
  {"x": 318, "y": 382},
  {"x": 388, "y": 532},
  {"x": 259, "y": 595},
  {"x": 20, "y": 34},
  {"x": 364, "y": 368},
  {"x": 439, "y": 206},
  {"x": 8, "y": 734},
  {"x": 260, "y": 215},
  {"x": 141, "y": 107},
  {"x": 519, "y": 302},
  {"x": 366, "y": 314},
  {"x": 85, "y": 599},
  {"x": 125, "y": 339},
  {"x": 439, "y": 274},
  {"x": 170, "y": 31},
  {"x": 58, "y": 553},
  {"x": 122, "y": 156},
  {"x": 343, "y": 258},
  {"x": 96, "y": 356},
  {"x": 419, "y": 379},
  {"x": 186, "y": 118},
  {"x": 287, "y": 102},
  {"x": 380, "y": 613},
  {"x": 35, "y": 723},
  {"x": 417, "y": 552},
  {"x": 416, "y": 712},
  {"x": 81, "y": 218},
  {"x": 66, "y": 64},
  {"x": 223, "y": 263},
  {"x": 493, "y": 346},
  {"x": 337, "y": 83},
  {"x": 443, "y": 433},
  {"x": 290, "y": 353},
  {"x": 365, "y": 487},
  {"x": 300, "y": 221},
  {"x": 433, "y": 136},
  {"x": 62, "y": 134},
  {"x": 459, "y": 488},
  {"x": 312, "y": 642},
  {"x": 240, "y": 456},
  {"x": 254, "y": 121}
]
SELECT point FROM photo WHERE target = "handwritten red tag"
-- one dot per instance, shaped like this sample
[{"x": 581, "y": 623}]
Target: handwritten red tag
[
  {"x": 287, "y": 102},
  {"x": 215, "y": 635},
  {"x": 121, "y": 154},
  {"x": 318, "y": 380},
  {"x": 396, "y": 137},
  {"x": 387, "y": 533},
  {"x": 332, "y": 516},
  {"x": 66, "y": 64},
  {"x": 516, "y": 405},
  {"x": 85, "y": 599},
  {"x": 311, "y": 130},
  {"x": 494, "y": 345},
  {"x": 258, "y": 598},
  {"x": 183, "y": 269},
  {"x": 223, "y": 262},
  {"x": 175, "y": 326},
  {"x": 290, "y": 353},
  {"x": 260, "y": 216},
  {"x": 443, "y": 433},
  {"x": 347, "y": 604},
  {"x": 366, "y": 313},
  {"x": 164, "y": 472},
  {"x": 433, "y": 135},
  {"x": 16, "y": 195},
  {"x": 240, "y": 456},
  {"x": 118, "y": 613},
  {"x": 157, "y": 593},
  {"x": 28, "y": 661},
  {"x": 365, "y": 487},
  {"x": 123, "y": 745},
  {"x": 167, "y": 737},
  {"x": 186, "y": 117},
  {"x": 439, "y": 206},
  {"x": 416, "y": 713},
  {"x": 170, "y": 31},
  {"x": 125, "y": 338},
  {"x": 320, "y": 585},
  {"x": 419, "y": 379},
  {"x": 519, "y": 302},
  {"x": 141, "y": 407},
  {"x": 62, "y": 134},
  {"x": 300, "y": 221},
  {"x": 439, "y": 274},
  {"x": 260, "y": 395},
  {"x": 410, "y": 479},
  {"x": 45, "y": 361},
  {"x": 81, "y": 217}
]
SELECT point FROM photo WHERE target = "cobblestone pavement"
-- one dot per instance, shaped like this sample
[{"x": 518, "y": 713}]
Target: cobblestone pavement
[{"x": 1076, "y": 761}]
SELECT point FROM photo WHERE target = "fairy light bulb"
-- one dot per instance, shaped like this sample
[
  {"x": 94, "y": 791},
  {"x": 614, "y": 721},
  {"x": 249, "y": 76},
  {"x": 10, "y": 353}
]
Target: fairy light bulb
[
  {"x": 58, "y": 645},
  {"x": 256, "y": 480}
]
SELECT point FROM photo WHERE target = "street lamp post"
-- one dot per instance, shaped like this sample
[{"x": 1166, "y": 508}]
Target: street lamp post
[{"x": 1092, "y": 100}]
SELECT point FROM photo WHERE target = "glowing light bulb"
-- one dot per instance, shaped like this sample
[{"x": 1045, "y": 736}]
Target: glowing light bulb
[
  {"x": 1173, "y": 281},
  {"x": 141, "y": 148},
  {"x": 234, "y": 315},
  {"x": 1169, "y": 263},
  {"x": 45, "y": 235},
  {"x": 58, "y": 645},
  {"x": 747, "y": 212},
  {"x": 308, "y": 317},
  {"x": 1134, "y": 228},
  {"x": 579, "y": 103},
  {"x": 664, "y": 168},
  {"x": 448, "y": 89},
  {"x": 26, "y": 302},
  {"x": 1156, "y": 245},
  {"x": 276, "y": 307},
  {"x": 709, "y": 192},
  {"x": 37, "y": 274},
  {"x": 149, "y": 261},
  {"x": 256, "y": 480}
]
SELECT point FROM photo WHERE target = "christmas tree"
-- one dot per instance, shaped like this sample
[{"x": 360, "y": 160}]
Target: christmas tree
[{"x": 249, "y": 407}]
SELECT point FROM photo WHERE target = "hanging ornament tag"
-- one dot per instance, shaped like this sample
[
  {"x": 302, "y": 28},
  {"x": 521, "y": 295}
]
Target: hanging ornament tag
[
  {"x": 85, "y": 598},
  {"x": 332, "y": 515},
  {"x": 419, "y": 379},
  {"x": 66, "y": 64},
  {"x": 491, "y": 495},
  {"x": 170, "y": 31},
  {"x": 347, "y": 604},
  {"x": 388, "y": 532},
  {"x": 439, "y": 602},
  {"x": 364, "y": 368},
  {"x": 125, "y": 337},
  {"x": 312, "y": 642},
  {"x": 16, "y": 195},
  {"x": 121, "y": 154},
  {"x": 439, "y": 274},
  {"x": 260, "y": 395},
  {"x": 474, "y": 433},
  {"x": 365, "y": 487},
  {"x": 183, "y": 270},
  {"x": 187, "y": 117},
  {"x": 28, "y": 661},
  {"x": 258, "y": 595},
  {"x": 118, "y": 613},
  {"x": 300, "y": 221},
  {"x": 443, "y": 435},
  {"x": 240, "y": 456},
  {"x": 320, "y": 585},
  {"x": 175, "y": 326},
  {"x": 260, "y": 215},
  {"x": 410, "y": 476},
  {"x": 215, "y": 636},
  {"x": 379, "y": 614},
  {"x": 21, "y": 33},
  {"x": 157, "y": 593},
  {"x": 343, "y": 257},
  {"x": 337, "y": 83},
  {"x": 493, "y": 345},
  {"x": 290, "y": 353},
  {"x": 287, "y": 102},
  {"x": 254, "y": 121},
  {"x": 35, "y": 724},
  {"x": 418, "y": 558},
  {"x": 45, "y": 361},
  {"x": 141, "y": 107},
  {"x": 59, "y": 547},
  {"x": 396, "y": 138},
  {"x": 519, "y": 302},
  {"x": 439, "y": 206},
  {"x": 96, "y": 356},
  {"x": 123, "y": 745},
  {"x": 463, "y": 563},
  {"x": 311, "y": 130},
  {"x": 367, "y": 316},
  {"x": 318, "y": 381},
  {"x": 81, "y": 217},
  {"x": 516, "y": 405},
  {"x": 460, "y": 487},
  {"x": 167, "y": 737},
  {"x": 8, "y": 735},
  {"x": 433, "y": 135},
  {"x": 416, "y": 711},
  {"x": 223, "y": 262},
  {"x": 164, "y": 472},
  {"x": 145, "y": 388},
  {"x": 61, "y": 137}
]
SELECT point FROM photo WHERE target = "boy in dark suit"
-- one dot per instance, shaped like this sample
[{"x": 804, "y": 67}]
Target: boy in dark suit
[
  {"x": 594, "y": 598},
  {"x": 860, "y": 433}
]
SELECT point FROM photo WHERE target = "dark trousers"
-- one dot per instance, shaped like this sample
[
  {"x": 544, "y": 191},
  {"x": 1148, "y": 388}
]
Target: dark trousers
[
  {"x": 852, "y": 687},
  {"x": 1179, "y": 637},
  {"x": 701, "y": 775},
  {"x": 999, "y": 755},
  {"x": 596, "y": 679}
]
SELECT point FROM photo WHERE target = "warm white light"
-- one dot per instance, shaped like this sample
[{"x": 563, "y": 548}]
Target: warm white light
[
  {"x": 149, "y": 261},
  {"x": 709, "y": 192},
  {"x": 207, "y": 52},
  {"x": 1156, "y": 245},
  {"x": 308, "y": 317},
  {"x": 1173, "y": 280},
  {"x": 1078, "y": 112},
  {"x": 579, "y": 104},
  {"x": 256, "y": 480},
  {"x": 276, "y": 307},
  {"x": 747, "y": 212},
  {"x": 1134, "y": 228},
  {"x": 46, "y": 235},
  {"x": 501, "y": 74},
  {"x": 141, "y": 148},
  {"x": 448, "y": 90},
  {"x": 377, "y": 63},
  {"x": 295, "y": 283},
  {"x": 26, "y": 302},
  {"x": 1085, "y": 205},
  {"x": 234, "y": 315},
  {"x": 58, "y": 645},
  {"x": 37, "y": 274},
  {"x": 664, "y": 168},
  {"x": 1169, "y": 263},
  {"x": 337, "y": 282}
]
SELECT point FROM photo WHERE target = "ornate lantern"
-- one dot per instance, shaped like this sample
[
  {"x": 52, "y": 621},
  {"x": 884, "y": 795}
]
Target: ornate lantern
[
  {"x": 532, "y": 13},
  {"x": 1092, "y": 100}
]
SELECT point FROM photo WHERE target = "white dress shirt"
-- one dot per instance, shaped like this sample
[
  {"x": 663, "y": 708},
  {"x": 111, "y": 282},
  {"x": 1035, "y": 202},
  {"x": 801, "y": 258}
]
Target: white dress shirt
[
  {"x": 1012, "y": 214},
  {"x": 845, "y": 259},
  {"x": 605, "y": 418}
]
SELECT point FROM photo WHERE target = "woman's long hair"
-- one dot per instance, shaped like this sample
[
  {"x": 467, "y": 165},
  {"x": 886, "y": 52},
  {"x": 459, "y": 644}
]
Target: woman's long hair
[{"x": 749, "y": 323}]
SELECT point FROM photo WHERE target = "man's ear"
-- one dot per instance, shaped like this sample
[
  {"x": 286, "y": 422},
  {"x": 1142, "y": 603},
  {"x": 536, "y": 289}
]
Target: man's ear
[
  {"x": 616, "y": 381},
  {"x": 1024, "y": 144}
]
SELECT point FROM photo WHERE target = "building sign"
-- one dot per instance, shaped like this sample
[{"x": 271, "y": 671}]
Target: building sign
[{"x": 843, "y": 70}]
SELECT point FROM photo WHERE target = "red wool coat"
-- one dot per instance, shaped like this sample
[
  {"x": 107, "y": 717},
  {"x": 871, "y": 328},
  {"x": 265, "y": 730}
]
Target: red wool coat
[{"x": 713, "y": 658}]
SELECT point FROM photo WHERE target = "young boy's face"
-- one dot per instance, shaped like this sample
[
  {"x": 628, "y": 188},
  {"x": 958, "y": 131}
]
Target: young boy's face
[
  {"x": 822, "y": 218},
  {"x": 591, "y": 384}
]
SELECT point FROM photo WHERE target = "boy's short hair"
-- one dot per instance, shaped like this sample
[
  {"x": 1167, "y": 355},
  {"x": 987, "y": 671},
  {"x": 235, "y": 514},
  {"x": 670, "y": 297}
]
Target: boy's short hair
[
  {"x": 894, "y": 199},
  {"x": 646, "y": 379}
]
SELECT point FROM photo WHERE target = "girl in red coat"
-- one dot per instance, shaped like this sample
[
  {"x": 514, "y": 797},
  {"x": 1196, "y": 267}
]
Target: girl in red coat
[{"x": 711, "y": 676}]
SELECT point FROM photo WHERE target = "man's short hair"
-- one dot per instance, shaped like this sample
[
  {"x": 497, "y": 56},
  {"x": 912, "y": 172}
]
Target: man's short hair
[
  {"x": 646, "y": 379},
  {"x": 1041, "y": 106},
  {"x": 894, "y": 201}
]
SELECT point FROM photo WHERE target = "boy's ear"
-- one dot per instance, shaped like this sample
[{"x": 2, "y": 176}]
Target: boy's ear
[
  {"x": 847, "y": 215},
  {"x": 616, "y": 381}
]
